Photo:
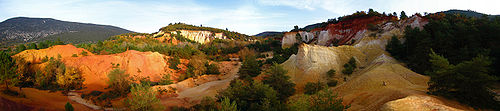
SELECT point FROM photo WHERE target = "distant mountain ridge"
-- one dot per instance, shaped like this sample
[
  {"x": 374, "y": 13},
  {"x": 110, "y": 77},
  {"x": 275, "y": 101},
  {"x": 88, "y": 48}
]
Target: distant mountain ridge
[
  {"x": 468, "y": 13},
  {"x": 25, "y": 29},
  {"x": 268, "y": 33}
]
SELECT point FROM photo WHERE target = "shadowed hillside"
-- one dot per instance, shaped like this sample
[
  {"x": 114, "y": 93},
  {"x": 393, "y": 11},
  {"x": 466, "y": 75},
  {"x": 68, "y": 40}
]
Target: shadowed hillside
[{"x": 24, "y": 29}]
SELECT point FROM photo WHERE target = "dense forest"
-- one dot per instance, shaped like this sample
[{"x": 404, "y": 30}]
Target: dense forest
[{"x": 460, "y": 54}]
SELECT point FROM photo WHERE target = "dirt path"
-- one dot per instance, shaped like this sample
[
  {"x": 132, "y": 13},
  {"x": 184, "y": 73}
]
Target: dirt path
[
  {"x": 77, "y": 98},
  {"x": 194, "y": 93},
  {"x": 210, "y": 88}
]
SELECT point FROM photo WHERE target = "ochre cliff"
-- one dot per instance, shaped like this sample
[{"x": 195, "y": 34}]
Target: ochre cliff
[
  {"x": 379, "y": 78},
  {"x": 197, "y": 36},
  {"x": 96, "y": 67},
  {"x": 346, "y": 32}
]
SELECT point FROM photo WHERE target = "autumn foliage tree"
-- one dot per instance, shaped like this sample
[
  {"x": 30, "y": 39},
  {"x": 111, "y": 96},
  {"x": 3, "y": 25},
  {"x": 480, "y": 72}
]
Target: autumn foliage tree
[{"x": 70, "y": 79}]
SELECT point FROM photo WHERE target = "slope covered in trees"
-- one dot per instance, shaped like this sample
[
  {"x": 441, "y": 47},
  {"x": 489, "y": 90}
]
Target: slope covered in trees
[
  {"x": 463, "y": 56},
  {"x": 24, "y": 29}
]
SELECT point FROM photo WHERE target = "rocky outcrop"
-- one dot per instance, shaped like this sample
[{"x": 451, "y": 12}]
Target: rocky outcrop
[
  {"x": 313, "y": 61},
  {"x": 197, "y": 36},
  {"x": 378, "y": 79},
  {"x": 350, "y": 31}
]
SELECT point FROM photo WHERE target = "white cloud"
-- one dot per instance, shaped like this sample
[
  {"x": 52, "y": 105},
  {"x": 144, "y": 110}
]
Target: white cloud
[
  {"x": 140, "y": 16},
  {"x": 249, "y": 18},
  {"x": 345, "y": 7}
]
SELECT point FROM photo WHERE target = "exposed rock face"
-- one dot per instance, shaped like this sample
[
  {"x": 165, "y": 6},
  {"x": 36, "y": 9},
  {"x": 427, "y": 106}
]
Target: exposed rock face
[
  {"x": 313, "y": 61},
  {"x": 417, "y": 103},
  {"x": 197, "y": 36},
  {"x": 138, "y": 64},
  {"x": 346, "y": 31},
  {"x": 378, "y": 79},
  {"x": 96, "y": 67}
]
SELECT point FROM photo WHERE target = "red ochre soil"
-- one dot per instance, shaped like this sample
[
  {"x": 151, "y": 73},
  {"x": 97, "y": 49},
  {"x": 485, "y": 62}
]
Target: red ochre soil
[{"x": 96, "y": 67}]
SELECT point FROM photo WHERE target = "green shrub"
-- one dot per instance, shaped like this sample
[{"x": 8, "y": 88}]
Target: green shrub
[
  {"x": 74, "y": 55},
  {"x": 212, "y": 68},
  {"x": 45, "y": 59},
  {"x": 165, "y": 80},
  {"x": 331, "y": 73},
  {"x": 68, "y": 107},
  {"x": 143, "y": 98},
  {"x": 251, "y": 96},
  {"x": 119, "y": 81},
  {"x": 20, "y": 48},
  {"x": 250, "y": 68},
  {"x": 84, "y": 53},
  {"x": 46, "y": 79},
  {"x": 173, "y": 62},
  {"x": 313, "y": 87},
  {"x": 324, "y": 100},
  {"x": 350, "y": 66},
  {"x": 331, "y": 82}
]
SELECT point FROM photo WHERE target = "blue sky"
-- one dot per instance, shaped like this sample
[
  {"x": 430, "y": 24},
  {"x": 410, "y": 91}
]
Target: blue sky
[{"x": 245, "y": 16}]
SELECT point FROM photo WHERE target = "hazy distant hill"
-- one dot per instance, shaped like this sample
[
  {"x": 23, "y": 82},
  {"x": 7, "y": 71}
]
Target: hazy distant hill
[
  {"x": 468, "y": 13},
  {"x": 24, "y": 29},
  {"x": 269, "y": 34}
]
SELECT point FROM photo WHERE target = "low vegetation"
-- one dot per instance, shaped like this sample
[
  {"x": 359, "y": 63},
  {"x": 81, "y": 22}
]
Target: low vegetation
[
  {"x": 350, "y": 66},
  {"x": 324, "y": 100},
  {"x": 70, "y": 79},
  {"x": 252, "y": 96},
  {"x": 313, "y": 87},
  {"x": 143, "y": 98},
  {"x": 330, "y": 80},
  {"x": 119, "y": 82}
]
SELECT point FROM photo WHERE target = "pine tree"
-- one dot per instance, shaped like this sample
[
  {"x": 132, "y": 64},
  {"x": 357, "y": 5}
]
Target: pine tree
[
  {"x": 403, "y": 15},
  {"x": 468, "y": 81},
  {"x": 68, "y": 107},
  {"x": 278, "y": 80},
  {"x": 250, "y": 68},
  {"x": 8, "y": 74}
]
